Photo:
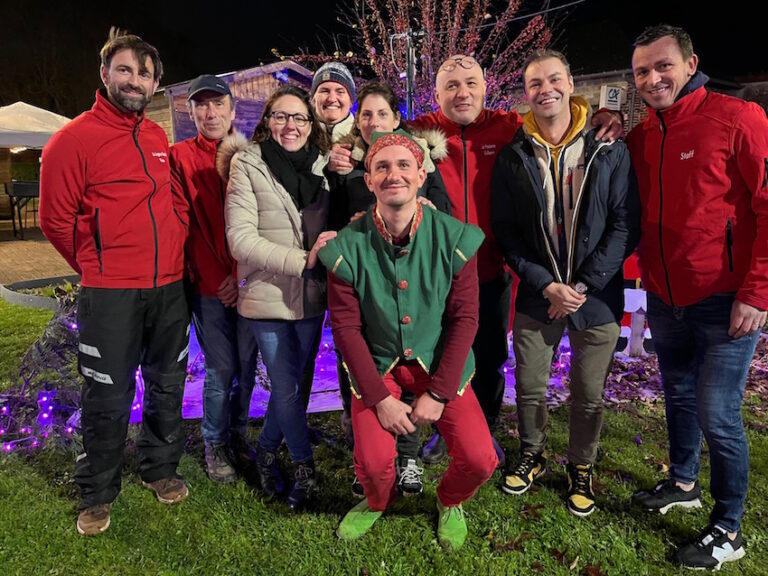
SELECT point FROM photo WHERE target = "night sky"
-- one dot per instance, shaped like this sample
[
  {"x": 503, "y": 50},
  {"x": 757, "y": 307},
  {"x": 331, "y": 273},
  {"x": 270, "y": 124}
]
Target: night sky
[{"x": 50, "y": 49}]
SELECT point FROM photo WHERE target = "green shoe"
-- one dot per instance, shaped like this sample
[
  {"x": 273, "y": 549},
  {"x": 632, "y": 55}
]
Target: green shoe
[
  {"x": 357, "y": 521},
  {"x": 451, "y": 526}
]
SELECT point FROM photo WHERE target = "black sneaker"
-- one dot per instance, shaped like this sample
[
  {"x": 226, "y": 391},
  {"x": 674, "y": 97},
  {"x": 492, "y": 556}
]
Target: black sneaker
[
  {"x": 710, "y": 549},
  {"x": 408, "y": 476},
  {"x": 270, "y": 479},
  {"x": 581, "y": 499},
  {"x": 666, "y": 495},
  {"x": 357, "y": 488},
  {"x": 304, "y": 485},
  {"x": 218, "y": 464},
  {"x": 518, "y": 479},
  {"x": 434, "y": 451}
]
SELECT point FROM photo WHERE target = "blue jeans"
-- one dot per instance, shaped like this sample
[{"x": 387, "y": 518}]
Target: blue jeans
[
  {"x": 230, "y": 368},
  {"x": 704, "y": 372},
  {"x": 285, "y": 346}
]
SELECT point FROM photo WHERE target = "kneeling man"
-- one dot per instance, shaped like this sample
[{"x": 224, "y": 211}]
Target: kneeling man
[{"x": 403, "y": 298}]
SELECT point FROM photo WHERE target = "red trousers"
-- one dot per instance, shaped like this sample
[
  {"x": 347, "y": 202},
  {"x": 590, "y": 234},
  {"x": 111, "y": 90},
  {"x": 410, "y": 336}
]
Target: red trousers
[{"x": 462, "y": 424}]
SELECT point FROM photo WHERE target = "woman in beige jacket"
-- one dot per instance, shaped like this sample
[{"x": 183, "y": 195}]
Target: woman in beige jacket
[{"x": 276, "y": 213}]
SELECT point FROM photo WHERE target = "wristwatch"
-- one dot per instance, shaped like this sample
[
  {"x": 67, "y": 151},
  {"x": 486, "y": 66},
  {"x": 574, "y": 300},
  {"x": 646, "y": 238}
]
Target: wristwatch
[{"x": 581, "y": 288}]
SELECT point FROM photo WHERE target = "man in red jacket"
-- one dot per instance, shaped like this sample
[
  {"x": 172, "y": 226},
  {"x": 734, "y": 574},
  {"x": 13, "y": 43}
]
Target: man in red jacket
[
  {"x": 226, "y": 341},
  {"x": 702, "y": 165},
  {"x": 106, "y": 205},
  {"x": 476, "y": 135}
]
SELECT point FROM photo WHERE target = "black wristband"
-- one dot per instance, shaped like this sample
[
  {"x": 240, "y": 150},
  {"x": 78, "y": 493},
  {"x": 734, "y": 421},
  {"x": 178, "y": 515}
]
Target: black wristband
[{"x": 436, "y": 398}]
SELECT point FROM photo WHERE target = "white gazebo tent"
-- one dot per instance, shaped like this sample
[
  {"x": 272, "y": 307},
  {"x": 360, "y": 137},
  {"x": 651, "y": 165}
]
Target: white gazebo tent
[
  {"x": 23, "y": 125},
  {"x": 22, "y": 128}
]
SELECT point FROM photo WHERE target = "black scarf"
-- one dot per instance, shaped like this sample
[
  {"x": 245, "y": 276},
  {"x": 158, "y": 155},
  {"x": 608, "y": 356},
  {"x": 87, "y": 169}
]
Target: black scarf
[{"x": 294, "y": 170}]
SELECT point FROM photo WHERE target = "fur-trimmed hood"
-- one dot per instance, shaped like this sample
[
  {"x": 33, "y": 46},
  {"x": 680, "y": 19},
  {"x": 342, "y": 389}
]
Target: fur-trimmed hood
[
  {"x": 230, "y": 145},
  {"x": 432, "y": 140}
]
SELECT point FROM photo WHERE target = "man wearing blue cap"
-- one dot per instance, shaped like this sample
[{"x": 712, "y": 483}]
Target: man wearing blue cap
[{"x": 226, "y": 342}]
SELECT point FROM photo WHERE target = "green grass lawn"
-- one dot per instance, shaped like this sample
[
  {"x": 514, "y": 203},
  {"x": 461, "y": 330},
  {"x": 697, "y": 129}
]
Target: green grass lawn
[{"x": 231, "y": 530}]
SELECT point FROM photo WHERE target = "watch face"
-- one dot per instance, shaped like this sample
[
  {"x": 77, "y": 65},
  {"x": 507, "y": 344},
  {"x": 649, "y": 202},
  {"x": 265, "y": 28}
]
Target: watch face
[{"x": 581, "y": 288}]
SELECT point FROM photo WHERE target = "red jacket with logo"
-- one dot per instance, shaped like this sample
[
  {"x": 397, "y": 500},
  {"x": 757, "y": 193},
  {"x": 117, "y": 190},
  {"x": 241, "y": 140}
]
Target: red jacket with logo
[
  {"x": 466, "y": 172},
  {"x": 194, "y": 176},
  {"x": 106, "y": 203},
  {"x": 702, "y": 168}
]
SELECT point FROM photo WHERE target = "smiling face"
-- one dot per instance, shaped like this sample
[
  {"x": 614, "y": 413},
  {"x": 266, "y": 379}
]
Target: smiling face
[
  {"x": 332, "y": 102},
  {"x": 289, "y": 135},
  {"x": 548, "y": 88},
  {"x": 395, "y": 176},
  {"x": 661, "y": 71},
  {"x": 460, "y": 92},
  {"x": 130, "y": 84},
  {"x": 212, "y": 113},
  {"x": 376, "y": 115}
]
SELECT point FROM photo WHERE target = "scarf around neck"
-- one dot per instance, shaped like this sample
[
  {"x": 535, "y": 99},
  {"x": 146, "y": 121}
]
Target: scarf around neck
[{"x": 294, "y": 171}]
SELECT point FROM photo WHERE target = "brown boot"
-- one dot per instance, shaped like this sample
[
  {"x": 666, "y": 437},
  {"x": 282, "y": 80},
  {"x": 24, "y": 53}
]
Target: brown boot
[
  {"x": 94, "y": 520},
  {"x": 168, "y": 490}
]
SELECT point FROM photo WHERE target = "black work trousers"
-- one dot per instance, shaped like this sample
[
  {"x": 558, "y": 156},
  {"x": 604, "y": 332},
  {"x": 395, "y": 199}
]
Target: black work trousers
[
  {"x": 490, "y": 346},
  {"x": 120, "y": 331}
]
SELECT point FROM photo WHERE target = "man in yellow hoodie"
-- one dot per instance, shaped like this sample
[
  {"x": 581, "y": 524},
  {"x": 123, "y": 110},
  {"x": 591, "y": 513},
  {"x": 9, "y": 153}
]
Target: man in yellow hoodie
[{"x": 565, "y": 213}]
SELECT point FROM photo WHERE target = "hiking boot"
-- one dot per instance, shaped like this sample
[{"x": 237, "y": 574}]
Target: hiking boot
[
  {"x": 357, "y": 488},
  {"x": 243, "y": 453},
  {"x": 93, "y": 520},
  {"x": 346, "y": 427},
  {"x": 304, "y": 486},
  {"x": 168, "y": 490},
  {"x": 408, "y": 476},
  {"x": 217, "y": 463},
  {"x": 710, "y": 549},
  {"x": 434, "y": 451},
  {"x": 357, "y": 521},
  {"x": 666, "y": 495},
  {"x": 518, "y": 479},
  {"x": 581, "y": 499},
  {"x": 451, "y": 526},
  {"x": 270, "y": 479}
]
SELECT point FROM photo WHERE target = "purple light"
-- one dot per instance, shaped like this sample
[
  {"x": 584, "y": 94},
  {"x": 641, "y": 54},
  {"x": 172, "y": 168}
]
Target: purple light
[
  {"x": 70, "y": 430},
  {"x": 73, "y": 325},
  {"x": 44, "y": 399},
  {"x": 4, "y": 409},
  {"x": 7, "y": 447},
  {"x": 45, "y": 415},
  {"x": 2, "y": 431}
]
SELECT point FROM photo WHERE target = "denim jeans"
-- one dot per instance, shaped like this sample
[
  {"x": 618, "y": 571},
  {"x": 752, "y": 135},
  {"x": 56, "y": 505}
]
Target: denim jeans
[
  {"x": 230, "y": 368},
  {"x": 704, "y": 373},
  {"x": 285, "y": 346}
]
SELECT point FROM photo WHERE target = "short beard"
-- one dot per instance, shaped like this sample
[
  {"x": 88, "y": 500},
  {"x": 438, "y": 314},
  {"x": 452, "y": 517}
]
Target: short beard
[{"x": 126, "y": 103}]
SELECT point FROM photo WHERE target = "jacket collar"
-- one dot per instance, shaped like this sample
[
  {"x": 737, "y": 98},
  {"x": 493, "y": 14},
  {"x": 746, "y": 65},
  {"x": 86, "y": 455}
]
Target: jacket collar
[
  {"x": 452, "y": 126},
  {"x": 690, "y": 98},
  {"x": 206, "y": 145},
  {"x": 382, "y": 227},
  {"x": 107, "y": 112}
]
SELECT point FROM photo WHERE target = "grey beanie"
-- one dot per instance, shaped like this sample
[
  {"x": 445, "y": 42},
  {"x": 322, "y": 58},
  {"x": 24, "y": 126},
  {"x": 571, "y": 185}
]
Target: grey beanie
[{"x": 334, "y": 72}]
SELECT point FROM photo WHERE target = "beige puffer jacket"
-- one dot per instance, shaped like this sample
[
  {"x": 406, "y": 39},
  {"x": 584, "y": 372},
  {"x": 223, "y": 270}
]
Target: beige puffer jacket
[{"x": 270, "y": 238}]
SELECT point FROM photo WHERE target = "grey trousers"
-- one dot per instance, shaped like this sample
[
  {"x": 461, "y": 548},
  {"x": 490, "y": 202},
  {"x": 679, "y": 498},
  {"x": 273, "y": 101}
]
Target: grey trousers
[{"x": 592, "y": 350}]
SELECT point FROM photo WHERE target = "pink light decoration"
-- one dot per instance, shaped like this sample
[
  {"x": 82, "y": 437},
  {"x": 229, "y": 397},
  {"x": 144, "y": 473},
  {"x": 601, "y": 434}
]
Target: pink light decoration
[{"x": 7, "y": 447}]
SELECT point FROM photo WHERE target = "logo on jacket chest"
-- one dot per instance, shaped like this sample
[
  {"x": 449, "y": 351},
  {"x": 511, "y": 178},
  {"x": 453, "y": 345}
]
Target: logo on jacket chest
[
  {"x": 488, "y": 149},
  {"x": 686, "y": 155},
  {"x": 162, "y": 156}
]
